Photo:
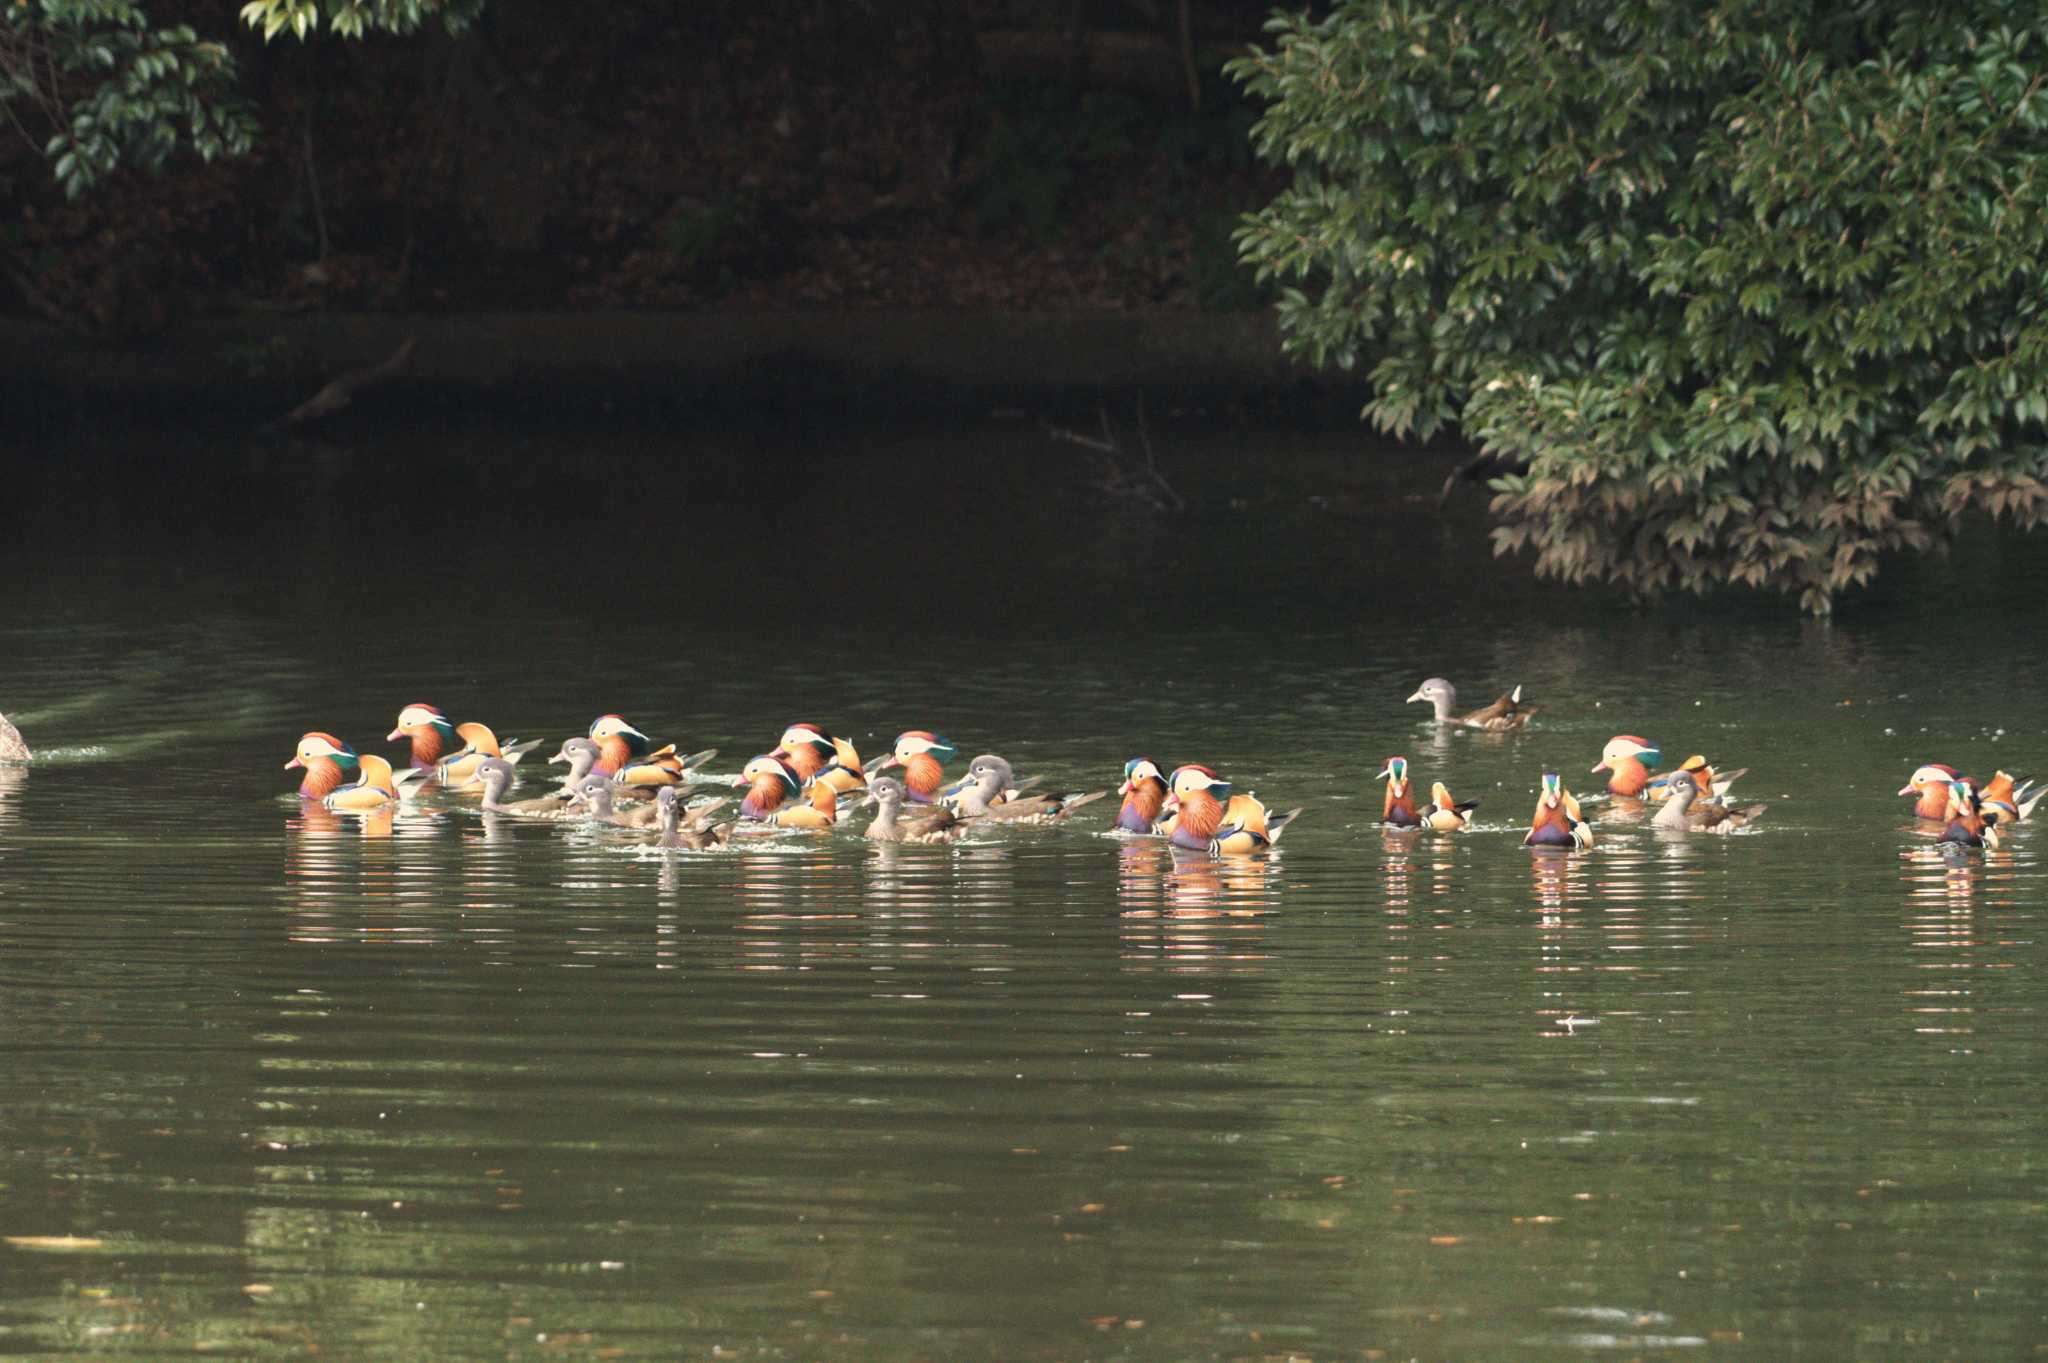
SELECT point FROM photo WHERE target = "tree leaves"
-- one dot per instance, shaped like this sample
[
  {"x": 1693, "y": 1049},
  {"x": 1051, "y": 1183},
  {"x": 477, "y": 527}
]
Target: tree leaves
[{"x": 1753, "y": 295}]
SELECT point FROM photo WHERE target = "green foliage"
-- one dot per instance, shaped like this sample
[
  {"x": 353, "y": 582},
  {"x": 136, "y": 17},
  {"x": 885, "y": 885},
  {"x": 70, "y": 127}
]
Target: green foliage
[
  {"x": 1754, "y": 292},
  {"x": 116, "y": 91}
]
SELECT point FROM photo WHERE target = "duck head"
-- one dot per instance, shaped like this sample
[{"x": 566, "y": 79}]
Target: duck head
[
  {"x": 913, "y": 743},
  {"x": 1439, "y": 693},
  {"x": 1553, "y": 790},
  {"x": 1627, "y": 748},
  {"x": 991, "y": 773},
  {"x": 431, "y": 734},
  {"x": 1194, "y": 782},
  {"x": 1395, "y": 773},
  {"x": 884, "y": 791},
  {"x": 1137, "y": 772},
  {"x": 595, "y": 792},
  {"x": 316, "y": 745},
  {"x": 579, "y": 753},
  {"x": 496, "y": 775},
  {"x": 769, "y": 767}
]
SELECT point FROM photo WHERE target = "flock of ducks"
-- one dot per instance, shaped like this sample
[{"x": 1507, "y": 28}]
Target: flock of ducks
[{"x": 811, "y": 780}]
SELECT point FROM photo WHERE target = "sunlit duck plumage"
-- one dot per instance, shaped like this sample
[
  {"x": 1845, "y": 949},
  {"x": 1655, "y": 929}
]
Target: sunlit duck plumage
[
  {"x": 2005, "y": 803},
  {"x": 458, "y": 769},
  {"x": 659, "y": 769},
  {"x": 894, "y": 823},
  {"x": 328, "y": 763},
  {"x": 1963, "y": 819},
  {"x": 1444, "y": 814},
  {"x": 697, "y": 833},
  {"x": 430, "y": 732},
  {"x": 1208, "y": 816},
  {"x": 819, "y": 812},
  {"x": 617, "y": 743},
  {"x": 988, "y": 793},
  {"x": 1929, "y": 787},
  {"x": 1144, "y": 792},
  {"x": 1398, "y": 808},
  {"x": 770, "y": 784},
  {"x": 1629, "y": 759},
  {"x": 496, "y": 776},
  {"x": 1685, "y": 812},
  {"x": 596, "y": 794},
  {"x": 1694, "y": 771},
  {"x": 1557, "y": 821},
  {"x": 378, "y": 787},
  {"x": 923, "y": 756},
  {"x": 1506, "y": 713},
  {"x": 814, "y": 754}
]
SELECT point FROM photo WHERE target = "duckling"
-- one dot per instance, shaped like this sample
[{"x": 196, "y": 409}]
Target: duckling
[
  {"x": 1144, "y": 792},
  {"x": 1506, "y": 713},
  {"x": 892, "y": 823},
  {"x": 1446, "y": 815},
  {"x": 1398, "y": 808},
  {"x": 698, "y": 835},
  {"x": 1557, "y": 821},
  {"x": 1687, "y": 813},
  {"x": 989, "y": 794}
]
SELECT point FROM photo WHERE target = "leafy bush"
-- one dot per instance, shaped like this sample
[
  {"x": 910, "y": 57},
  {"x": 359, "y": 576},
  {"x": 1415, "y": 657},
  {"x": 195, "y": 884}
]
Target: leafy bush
[{"x": 1754, "y": 293}]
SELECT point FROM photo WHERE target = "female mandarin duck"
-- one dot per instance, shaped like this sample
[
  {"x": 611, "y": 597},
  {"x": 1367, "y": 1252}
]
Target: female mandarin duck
[
  {"x": 1695, "y": 772},
  {"x": 697, "y": 834},
  {"x": 495, "y": 775},
  {"x": 376, "y": 788},
  {"x": 1446, "y": 815},
  {"x": 812, "y": 753},
  {"x": 923, "y": 756},
  {"x": 1963, "y": 818},
  {"x": 1929, "y": 787},
  {"x": 328, "y": 762},
  {"x": 1629, "y": 759},
  {"x": 1398, "y": 808},
  {"x": 990, "y": 793},
  {"x": 1506, "y": 713},
  {"x": 1207, "y": 817},
  {"x": 1144, "y": 792},
  {"x": 1557, "y": 821},
  {"x": 1686, "y": 812},
  {"x": 892, "y": 823},
  {"x": 596, "y": 794},
  {"x": 770, "y": 784},
  {"x": 2005, "y": 803}
]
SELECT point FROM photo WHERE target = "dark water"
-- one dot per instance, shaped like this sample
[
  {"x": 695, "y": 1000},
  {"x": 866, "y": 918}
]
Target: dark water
[{"x": 281, "y": 1082}]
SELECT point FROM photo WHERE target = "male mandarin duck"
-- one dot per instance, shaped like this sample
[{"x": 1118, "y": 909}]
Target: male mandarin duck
[
  {"x": 893, "y": 823},
  {"x": 1506, "y": 713},
  {"x": 819, "y": 813},
  {"x": 990, "y": 792},
  {"x": 1557, "y": 821},
  {"x": 770, "y": 783},
  {"x": 328, "y": 762},
  {"x": 617, "y": 742},
  {"x": 1446, "y": 815},
  {"x": 1929, "y": 786},
  {"x": 2005, "y": 803},
  {"x": 659, "y": 770},
  {"x": 376, "y": 788},
  {"x": 812, "y": 753},
  {"x": 1963, "y": 818},
  {"x": 923, "y": 756},
  {"x": 1208, "y": 817},
  {"x": 1398, "y": 808},
  {"x": 697, "y": 833},
  {"x": 1684, "y": 811},
  {"x": 458, "y": 769},
  {"x": 432, "y": 736},
  {"x": 1629, "y": 759},
  {"x": 1144, "y": 792},
  {"x": 1695, "y": 772}
]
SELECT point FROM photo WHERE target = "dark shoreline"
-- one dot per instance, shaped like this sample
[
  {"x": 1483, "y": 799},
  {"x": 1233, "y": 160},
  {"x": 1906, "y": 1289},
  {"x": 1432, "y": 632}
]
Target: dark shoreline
[{"x": 850, "y": 367}]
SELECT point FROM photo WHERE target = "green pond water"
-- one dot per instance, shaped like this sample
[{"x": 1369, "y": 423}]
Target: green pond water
[{"x": 284, "y": 1084}]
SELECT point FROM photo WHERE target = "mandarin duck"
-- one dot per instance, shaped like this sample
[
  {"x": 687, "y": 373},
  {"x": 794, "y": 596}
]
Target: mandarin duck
[
  {"x": 1629, "y": 759},
  {"x": 893, "y": 823},
  {"x": 597, "y": 796},
  {"x": 812, "y": 753},
  {"x": 1695, "y": 772},
  {"x": 923, "y": 756},
  {"x": 496, "y": 776},
  {"x": 1557, "y": 821},
  {"x": 1686, "y": 812},
  {"x": 617, "y": 743},
  {"x": 1206, "y": 816},
  {"x": 13, "y": 748},
  {"x": 1929, "y": 787},
  {"x": 1398, "y": 808},
  {"x": 2004, "y": 803},
  {"x": 770, "y": 783},
  {"x": 991, "y": 792},
  {"x": 458, "y": 769},
  {"x": 430, "y": 732},
  {"x": 819, "y": 812},
  {"x": 1144, "y": 792},
  {"x": 328, "y": 763},
  {"x": 1444, "y": 814},
  {"x": 376, "y": 788},
  {"x": 1506, "y": 713},
  {"x": 697, "y": 834},
  {"x": 1963, "y": 818},
  {"x": 659, "y": 770}
]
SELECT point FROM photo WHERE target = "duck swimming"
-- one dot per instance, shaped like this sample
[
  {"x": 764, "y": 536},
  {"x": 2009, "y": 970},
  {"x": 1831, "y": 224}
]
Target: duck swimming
[
  {"x": 1144, "y": 792},
  {"x": 894, "y": 823},
  {"x": 1629, "y": 759},
  {"x": 988, "y": 794},
  {"x": 923, "y": 756},
  {"x": 1557, "y": 821},
  {"x": 1508, "y": 712},
  {"x": 328, "y": 763}
]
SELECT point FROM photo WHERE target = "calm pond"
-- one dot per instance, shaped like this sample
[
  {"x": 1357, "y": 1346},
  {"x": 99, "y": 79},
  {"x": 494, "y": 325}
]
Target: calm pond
[{"x": 278, "y": 1086}]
